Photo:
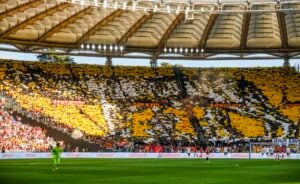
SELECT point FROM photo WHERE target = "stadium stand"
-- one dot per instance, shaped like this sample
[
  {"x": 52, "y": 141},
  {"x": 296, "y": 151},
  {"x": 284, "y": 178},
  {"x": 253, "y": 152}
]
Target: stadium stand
[
  {"x": 167, "y": 106},
  {"x": 16, "y": 136}
]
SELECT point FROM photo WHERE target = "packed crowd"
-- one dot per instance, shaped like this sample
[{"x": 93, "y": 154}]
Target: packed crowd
[
  {"x": 144, "y": 105},
  {"x": 16, "y": 136},
  {"x": 217, "y": 147}
]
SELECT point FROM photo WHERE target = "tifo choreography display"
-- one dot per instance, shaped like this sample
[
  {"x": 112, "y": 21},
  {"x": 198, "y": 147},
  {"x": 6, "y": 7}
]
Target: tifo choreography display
[{"x": 132, "y": 108}]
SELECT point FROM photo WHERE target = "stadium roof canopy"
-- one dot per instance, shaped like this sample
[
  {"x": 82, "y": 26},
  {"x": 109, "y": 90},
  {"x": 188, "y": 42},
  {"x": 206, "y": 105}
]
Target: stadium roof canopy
[{"x": 189, "y": 29}]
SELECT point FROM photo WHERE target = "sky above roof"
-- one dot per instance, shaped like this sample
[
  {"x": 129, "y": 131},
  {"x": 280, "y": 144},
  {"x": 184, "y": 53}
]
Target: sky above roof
[{"x": 145, "y": 62}]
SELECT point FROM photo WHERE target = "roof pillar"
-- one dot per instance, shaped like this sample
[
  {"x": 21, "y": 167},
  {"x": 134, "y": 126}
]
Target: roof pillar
[
  {"x": 108, "y": 61},
  {"x": 286, "y": 63}
]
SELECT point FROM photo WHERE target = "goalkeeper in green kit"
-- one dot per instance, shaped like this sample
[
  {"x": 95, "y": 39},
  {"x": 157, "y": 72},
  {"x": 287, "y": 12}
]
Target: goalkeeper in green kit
[{"x": 56, "y": 152}]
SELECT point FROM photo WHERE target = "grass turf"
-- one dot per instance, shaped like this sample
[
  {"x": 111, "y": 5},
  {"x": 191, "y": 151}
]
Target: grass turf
[{"x": 158, "y": 171}]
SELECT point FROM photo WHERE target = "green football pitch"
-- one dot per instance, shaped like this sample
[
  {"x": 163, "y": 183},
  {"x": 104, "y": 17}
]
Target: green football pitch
[{"x": 157, "y": 171}]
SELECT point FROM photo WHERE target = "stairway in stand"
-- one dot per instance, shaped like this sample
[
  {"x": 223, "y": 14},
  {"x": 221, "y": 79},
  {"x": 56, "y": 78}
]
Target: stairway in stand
[
  {"x": 179, "y": 76},
  {"x": 58, "y": 135}
]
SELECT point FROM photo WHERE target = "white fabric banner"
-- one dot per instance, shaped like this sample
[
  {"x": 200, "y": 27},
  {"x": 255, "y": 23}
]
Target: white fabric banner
[{"x": 30, "y": 155}]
